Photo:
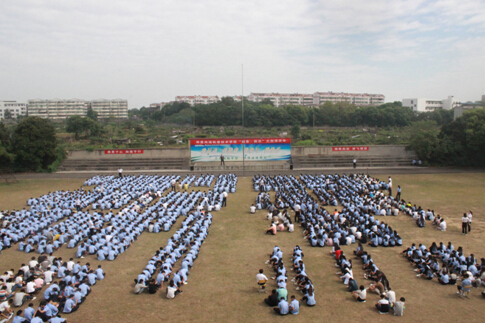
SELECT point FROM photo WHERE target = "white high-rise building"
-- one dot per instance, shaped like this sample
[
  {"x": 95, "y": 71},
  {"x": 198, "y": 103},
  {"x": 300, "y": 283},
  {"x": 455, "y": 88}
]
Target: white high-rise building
[
  {"x": 280, "y": 99},
  {"x": 359, "y": 99},
  {"x": 15, "y": 108},
  {"x": 427, "y": 105},
  {"x": 197, "y": 99},
  {"x": 117, "y": 108},
  {"x": 57, "y": 109}
]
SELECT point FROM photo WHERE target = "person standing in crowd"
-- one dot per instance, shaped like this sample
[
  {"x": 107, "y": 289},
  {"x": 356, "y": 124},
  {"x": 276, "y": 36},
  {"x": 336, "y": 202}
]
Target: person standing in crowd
[
  {"x": 355, "y": 163},
  {"x": 470, "y": 217},
  {"x": 390, "y": 186},
  {"x": 224, "y": 198},
  {"x": 398, "y": 195},
  {"x": 222, "y": 160},
  {"x": 464, "y": 224},
  {"x": 173, "y": 182},
  {"x": 120, "y": 172}
]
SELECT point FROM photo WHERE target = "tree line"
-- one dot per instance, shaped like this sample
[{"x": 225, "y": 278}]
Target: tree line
[{"x": 458, "y": 143}]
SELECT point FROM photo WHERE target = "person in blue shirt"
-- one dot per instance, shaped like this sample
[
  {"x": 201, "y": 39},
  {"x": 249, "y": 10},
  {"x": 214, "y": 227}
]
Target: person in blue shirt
[
  {"x": 294, "y": 305},
  {"x": 18, "y": 318},
  {"x": 91, "y": 278},
  {"x": 283, "y": 307},
  {"x": 57, "y": 319},
  {"x": 29, "y": 312},
  {"x": 70, "y": 306},
  {"x": 99, "y": 273}
]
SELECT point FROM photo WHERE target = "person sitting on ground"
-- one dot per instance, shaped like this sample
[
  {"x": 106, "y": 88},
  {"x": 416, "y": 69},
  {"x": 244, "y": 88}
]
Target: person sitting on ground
[
  {"x": 383, "y": 305},
  {"x": 360, "y": 295},
  {"x": 272, "y": 300},
  {"x": 283, "y": 307},
  {"x": 399, "y": 307},
  {"x": 172, "y": 290},
  {"x": 309, "y": 297},
  {"x": 252, "y": 209},
  {"x": 294, "y": 305},
  {"x": 272, "y": 229},
  {"x": 140, "y": 287}
]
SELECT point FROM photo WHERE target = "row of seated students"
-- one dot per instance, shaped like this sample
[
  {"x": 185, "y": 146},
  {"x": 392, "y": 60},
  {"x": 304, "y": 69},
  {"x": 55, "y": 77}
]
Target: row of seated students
[
  {"x": 279, "y": 297},
  {"x": 68, "y": 285},
  {"x": 188, "y": 239},
  {"x": 446, "y": 264},
  {"x": 380, "y": 285}
]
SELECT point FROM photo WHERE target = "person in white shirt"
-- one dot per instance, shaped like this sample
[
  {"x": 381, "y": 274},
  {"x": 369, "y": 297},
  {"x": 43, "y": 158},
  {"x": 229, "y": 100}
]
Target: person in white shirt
[
  {"x": 224, "y": 198},
  {"x": 442, "y": 225},
  {"x": 361, "y": 294},
  {"x": 120, "y": 172},
  {"x": 464, "y": 224},
  {"x": 33, "y": 263},
  {"x": 261, "y": 279},
  {"x": 291, "y": 226},
  {"x": 470, "y": 217},
  {"x": 48, "y": 275},
  {"x": 70, "y": 264},
  {"x": 172, "y": 290},
  {"x": 391, "y": 296},
  {"x": 252, "y": 209}
]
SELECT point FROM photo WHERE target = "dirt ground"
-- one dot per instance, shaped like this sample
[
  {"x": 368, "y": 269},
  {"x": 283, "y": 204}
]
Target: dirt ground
[{"x": 222, "y": 285}]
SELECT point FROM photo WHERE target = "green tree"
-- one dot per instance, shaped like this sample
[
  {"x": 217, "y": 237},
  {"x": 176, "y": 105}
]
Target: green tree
[
  {"x": 7, "y": 114},
  {"x": 34, "y": 144},
  {"x": 295, "y": 131},
  {"x": 424, "y": 139},
  {"x": 93, "y": 115}
]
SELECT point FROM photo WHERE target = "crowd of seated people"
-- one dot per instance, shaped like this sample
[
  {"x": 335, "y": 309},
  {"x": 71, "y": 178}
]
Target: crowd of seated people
[
  {"x": 445, "y": 264},
  {"x": 380, "y": 285},
  {"x": 279, "y": 297},
  {"x": 188, "y": 239},
  {"x": 356, "y": 222},
  {"x": 68, "y": 285}
]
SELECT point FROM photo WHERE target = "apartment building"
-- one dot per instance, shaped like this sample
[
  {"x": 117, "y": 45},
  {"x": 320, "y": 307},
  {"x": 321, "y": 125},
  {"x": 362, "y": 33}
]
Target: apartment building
[
  {"x": 359, "y": 99},
  {"x": 281, "y": 99},
  {"x": 427, "y": 105},
  {"x": 117, "y": 108},
  {"x": 56, "y": 109},
  {"x": 197, "y": 99},
  {"x": 15, "y": 108}
]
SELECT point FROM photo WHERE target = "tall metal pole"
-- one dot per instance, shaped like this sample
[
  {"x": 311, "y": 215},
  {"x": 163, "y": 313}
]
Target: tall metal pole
[
  {"x": 242, "y": 121},
  {"x": 242, "y": 93}
]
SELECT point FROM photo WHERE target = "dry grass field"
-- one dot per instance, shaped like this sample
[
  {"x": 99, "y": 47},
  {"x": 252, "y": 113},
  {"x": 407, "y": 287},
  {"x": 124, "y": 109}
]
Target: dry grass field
[{"x": 222, "y": 286}]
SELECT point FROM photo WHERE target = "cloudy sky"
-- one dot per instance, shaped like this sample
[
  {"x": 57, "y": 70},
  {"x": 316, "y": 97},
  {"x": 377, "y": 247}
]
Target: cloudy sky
[{"x": 151, "y": 51}]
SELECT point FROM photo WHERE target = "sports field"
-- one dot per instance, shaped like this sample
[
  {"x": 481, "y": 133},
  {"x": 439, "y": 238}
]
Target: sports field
[{"x": 222, "y": 287}]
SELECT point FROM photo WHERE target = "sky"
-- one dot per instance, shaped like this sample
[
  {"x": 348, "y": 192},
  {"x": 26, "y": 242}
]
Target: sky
[{"x": 151, "y": 51}]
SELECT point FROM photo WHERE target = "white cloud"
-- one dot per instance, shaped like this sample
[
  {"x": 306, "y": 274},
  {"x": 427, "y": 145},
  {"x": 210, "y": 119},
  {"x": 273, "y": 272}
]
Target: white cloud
[{"x": 148, "y": 52}]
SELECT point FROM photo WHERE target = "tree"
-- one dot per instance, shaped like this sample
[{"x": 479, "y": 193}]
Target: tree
[
  {"x": 424, "y": 139},
  {"x": 93, "y": 115},
  {"x": 34, "y": 144},
  {"x": 7, "y": 114},
  {"x": 295, "y": 131}
]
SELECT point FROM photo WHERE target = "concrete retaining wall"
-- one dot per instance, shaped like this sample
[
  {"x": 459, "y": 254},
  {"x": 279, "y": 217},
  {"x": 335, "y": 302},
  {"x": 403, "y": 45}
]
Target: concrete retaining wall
[
  {"x": 388, "y": 150},
  {"x": 162, "y": 153}
]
